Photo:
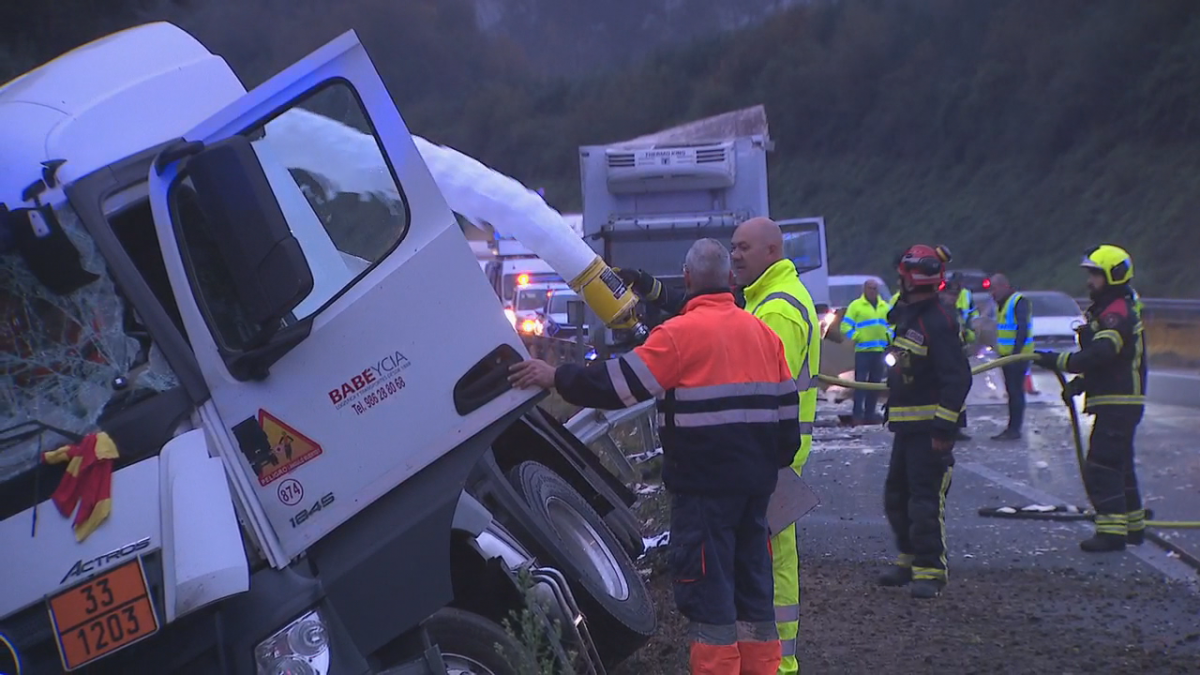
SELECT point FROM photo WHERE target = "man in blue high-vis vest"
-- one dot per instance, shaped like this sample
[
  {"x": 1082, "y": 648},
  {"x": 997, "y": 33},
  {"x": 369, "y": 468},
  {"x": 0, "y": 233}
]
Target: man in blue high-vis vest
[{"x": 1013, "y": 316}]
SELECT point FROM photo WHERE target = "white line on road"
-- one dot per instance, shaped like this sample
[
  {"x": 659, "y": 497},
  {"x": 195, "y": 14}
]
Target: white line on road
[{"x": 1148, "y": 553}]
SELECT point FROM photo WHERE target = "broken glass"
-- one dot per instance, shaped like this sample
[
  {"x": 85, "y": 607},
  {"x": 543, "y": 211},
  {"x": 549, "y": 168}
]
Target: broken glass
[{"x": 61, "y": 355}]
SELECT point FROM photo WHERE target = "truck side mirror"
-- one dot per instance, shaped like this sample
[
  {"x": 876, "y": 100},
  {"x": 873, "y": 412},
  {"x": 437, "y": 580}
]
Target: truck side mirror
[{"x": 266, "y": 261}]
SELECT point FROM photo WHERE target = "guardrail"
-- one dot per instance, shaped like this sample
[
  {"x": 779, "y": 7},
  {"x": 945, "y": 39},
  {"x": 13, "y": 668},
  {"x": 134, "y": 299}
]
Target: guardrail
[
  {"x": 1159, "y": 306},
  {"x": 555, "y": 351},
  {"x": 595, "y": 429}
]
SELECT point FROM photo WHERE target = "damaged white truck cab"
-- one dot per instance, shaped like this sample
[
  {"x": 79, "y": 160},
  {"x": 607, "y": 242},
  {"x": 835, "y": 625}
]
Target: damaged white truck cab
[{"x": 217, "y": 280}]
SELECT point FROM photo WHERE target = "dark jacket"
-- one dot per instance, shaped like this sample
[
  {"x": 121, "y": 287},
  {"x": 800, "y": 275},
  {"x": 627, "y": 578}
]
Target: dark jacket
[
  {"x": 1112, "y": 354},
  {"x": 667, "y": 301},
  {"x": 728, "y": 407},
  {"x": 931, "y": 377}
]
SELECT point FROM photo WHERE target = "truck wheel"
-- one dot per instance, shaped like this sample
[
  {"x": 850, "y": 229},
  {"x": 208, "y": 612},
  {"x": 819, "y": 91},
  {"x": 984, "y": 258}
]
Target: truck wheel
[
  {"x": 609, "y": 589},
  {"x": 473, "y": 645},
  {"x": 623, "y": 524}
]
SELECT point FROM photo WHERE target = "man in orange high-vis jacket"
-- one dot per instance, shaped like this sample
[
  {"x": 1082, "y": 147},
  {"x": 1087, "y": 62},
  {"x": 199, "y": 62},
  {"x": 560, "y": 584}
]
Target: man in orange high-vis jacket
[{"x": 729, "y": 421}]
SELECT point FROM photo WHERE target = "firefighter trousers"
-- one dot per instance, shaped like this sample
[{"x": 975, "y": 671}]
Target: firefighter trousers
[
  {"x": 914, "y": 499},
  {"x": 1109, "y": 473},
  {"x": 720, "y": 562}
]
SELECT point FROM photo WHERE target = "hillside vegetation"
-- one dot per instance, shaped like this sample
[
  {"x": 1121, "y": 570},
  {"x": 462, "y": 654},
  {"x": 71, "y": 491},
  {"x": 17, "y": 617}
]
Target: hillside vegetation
[{"x": 1017, "y": 132}]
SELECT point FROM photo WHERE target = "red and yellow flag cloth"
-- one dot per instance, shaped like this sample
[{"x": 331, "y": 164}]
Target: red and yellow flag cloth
[{"x": 87, "y": 481}]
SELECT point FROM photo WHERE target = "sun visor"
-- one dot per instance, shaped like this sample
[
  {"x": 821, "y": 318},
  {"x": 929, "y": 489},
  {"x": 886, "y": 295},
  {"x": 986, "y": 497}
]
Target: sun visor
[{"x": 37, "y": 235}]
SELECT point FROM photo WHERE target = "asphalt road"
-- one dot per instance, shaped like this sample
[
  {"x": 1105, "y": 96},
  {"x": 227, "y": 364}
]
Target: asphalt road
[
  {"x": 1022, "y": 597},
  {"x": 847, "y": 468}
]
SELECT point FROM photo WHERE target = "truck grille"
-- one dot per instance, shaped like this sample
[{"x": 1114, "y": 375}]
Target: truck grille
[{"x": 710, "y": 156}]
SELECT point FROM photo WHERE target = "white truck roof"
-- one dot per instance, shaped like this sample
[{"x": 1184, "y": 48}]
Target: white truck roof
[{"x": 107, "y": 100}]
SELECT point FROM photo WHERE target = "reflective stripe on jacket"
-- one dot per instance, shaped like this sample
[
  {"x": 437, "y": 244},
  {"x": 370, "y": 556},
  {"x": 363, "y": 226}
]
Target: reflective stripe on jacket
[
  {"x": 783, "y": 303},
  {"x": 1012, "y": 327},
  {"x": 727, "y": 403},
  {"x": 1112, "y": 352},
  {"x": 867, "y": 324},
  {"x": 930, "y": 377}
]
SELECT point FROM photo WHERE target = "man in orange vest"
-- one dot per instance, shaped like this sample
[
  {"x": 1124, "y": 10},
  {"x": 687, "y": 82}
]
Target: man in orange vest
[{"x": 729, "y": 421}]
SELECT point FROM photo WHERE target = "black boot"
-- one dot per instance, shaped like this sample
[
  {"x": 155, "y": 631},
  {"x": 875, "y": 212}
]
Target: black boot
[
  {"x": 1007, "y": 435},
  {"x": 896, "y": 576},
  {"x": 1135, "y": 537},
  {"x": 962, "y": 436},
  {"x": 1103, "y": 543},
  {"x": 926, "y": 589}
]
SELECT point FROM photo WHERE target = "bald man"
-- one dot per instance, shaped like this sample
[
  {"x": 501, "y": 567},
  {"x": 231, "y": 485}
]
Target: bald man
[
  {"x": 1013, "y": 317},
  {"x": 776, "y": 296}
]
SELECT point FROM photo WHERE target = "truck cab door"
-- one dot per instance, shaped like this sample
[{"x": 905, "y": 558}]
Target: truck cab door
[{"x": 341, "y": 321}]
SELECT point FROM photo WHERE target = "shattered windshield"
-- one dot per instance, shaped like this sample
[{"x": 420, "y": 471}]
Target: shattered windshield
[{"x": 60, "y": 354}]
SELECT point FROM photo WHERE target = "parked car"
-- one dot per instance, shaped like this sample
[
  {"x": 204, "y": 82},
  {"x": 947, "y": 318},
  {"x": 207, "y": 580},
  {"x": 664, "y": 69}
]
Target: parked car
[
  {"x": 529, "y": 306},
  {"x": 974, "y": 280},
  {"x": 1056, "y": 315},
  {"x": 556, "y": 317},
  {"x": 845, "y": 288}
]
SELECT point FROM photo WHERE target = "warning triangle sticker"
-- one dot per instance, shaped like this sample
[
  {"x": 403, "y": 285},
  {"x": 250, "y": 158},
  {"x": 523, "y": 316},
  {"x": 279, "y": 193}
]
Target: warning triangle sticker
[{"x": 288, "y": 448}]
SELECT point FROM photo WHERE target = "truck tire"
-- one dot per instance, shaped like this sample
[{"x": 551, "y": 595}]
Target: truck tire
[
  {"x": 623, "y": 525},
  {"x": 473, "y": 645},
  {"x": 609, "y": 590}
]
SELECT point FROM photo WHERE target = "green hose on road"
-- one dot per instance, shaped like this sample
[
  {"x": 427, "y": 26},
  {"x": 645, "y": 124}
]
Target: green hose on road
[{"x": 1076, "y": 433}]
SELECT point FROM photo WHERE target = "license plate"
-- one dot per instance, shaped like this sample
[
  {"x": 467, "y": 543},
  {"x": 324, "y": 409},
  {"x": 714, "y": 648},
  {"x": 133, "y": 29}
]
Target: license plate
[{"x": 102, "y": 615}]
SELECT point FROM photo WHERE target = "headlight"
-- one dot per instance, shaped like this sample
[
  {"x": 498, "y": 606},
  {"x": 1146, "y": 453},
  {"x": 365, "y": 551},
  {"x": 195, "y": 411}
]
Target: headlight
[
  {"x": 301, "y": 648},
  {"x": 889, "y": 359},
  {"x": 532, "y": 326}
]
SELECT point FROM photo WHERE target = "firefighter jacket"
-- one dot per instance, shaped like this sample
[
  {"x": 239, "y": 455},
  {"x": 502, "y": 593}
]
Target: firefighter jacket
[
  {"x": 1112, "y": 352},
  {"x": 727, "y": 403},
  {"x": 783, "y": 303},
  {"x": 1012, "y": 330},
  {"x": 968, "y": 314},
  {"x": 929, "y": 377},
  {"x": 867, "y": 324}
]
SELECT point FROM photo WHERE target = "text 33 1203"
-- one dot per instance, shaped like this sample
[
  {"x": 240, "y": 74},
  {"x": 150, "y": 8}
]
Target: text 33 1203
[{"x": 379, "y": 395}]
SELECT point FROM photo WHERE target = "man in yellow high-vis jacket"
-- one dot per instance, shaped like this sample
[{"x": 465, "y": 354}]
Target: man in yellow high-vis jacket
[
  {"x": 775, "y": 294},
  {"x": 866, "y": 324}
]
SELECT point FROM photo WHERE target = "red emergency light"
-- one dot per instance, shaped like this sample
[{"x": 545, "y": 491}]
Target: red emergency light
[{"x": 987, "y": 283}]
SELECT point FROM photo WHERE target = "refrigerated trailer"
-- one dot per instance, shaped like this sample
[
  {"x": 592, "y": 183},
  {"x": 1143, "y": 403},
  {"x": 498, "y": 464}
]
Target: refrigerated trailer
[{"x": 646, "y": 200}]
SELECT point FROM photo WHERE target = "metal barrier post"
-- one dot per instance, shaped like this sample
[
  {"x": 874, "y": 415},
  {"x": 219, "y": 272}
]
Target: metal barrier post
[{"x": 576, "y": 316}]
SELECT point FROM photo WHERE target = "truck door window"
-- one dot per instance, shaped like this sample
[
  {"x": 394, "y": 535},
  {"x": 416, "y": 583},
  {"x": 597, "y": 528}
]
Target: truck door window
[
  {"x": 803, "y": 248},
  {"x": 336, "y": 190}
]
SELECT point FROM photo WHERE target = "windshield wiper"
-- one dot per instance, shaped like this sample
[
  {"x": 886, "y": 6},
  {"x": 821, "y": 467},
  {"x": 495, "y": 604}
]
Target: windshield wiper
[{"x": 26, "y": 430}]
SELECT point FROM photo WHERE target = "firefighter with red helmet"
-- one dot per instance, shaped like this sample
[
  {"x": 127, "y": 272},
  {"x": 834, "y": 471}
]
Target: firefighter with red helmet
[{"x": 929, "y": 378}]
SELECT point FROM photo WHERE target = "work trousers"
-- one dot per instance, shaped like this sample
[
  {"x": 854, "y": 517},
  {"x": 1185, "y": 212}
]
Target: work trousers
[
  {"x": 720, "y": 562},
  {"x": 914, "y": 498},
  {"x": 785, "y": 558},
  {"x": 868, "y": 367},
  {"x": 1014, "y": 385},
  {"x": 1109, "y": 473}
]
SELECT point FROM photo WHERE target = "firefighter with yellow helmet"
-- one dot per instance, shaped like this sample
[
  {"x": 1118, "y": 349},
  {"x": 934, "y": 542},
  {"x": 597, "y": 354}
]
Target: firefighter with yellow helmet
[{"x": 1111, "y": 364}]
